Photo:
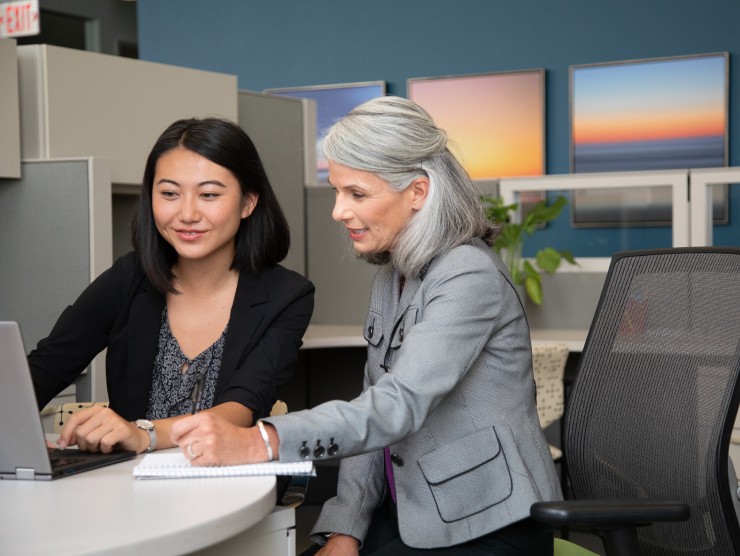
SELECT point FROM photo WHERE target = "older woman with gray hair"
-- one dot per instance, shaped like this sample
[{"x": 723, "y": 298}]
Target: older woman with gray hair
[{"x": 442, "y": 449}]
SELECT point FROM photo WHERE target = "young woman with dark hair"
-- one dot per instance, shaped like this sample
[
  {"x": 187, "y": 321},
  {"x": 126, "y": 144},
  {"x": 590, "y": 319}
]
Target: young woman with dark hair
[{"x": 201, "y": 301}]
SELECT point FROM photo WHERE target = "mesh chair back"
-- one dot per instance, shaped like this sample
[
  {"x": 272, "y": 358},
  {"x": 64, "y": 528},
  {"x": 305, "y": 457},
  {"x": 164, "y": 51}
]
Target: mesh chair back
[{"x": 656, "y": 394}]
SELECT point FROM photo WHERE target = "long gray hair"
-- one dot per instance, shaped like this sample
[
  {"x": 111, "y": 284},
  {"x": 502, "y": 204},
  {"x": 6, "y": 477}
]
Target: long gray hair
[{"x": 397, "y": 140}]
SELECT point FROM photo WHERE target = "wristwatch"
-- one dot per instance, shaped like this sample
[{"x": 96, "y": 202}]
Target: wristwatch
[{"x": 148, "y": 426}]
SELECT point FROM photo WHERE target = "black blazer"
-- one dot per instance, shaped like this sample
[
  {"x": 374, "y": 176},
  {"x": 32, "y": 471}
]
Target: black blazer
[{"x": 120, "y": 310}]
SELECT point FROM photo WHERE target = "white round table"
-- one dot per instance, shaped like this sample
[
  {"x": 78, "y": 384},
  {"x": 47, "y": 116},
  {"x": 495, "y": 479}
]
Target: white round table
[{"x": 107, "y": 511}]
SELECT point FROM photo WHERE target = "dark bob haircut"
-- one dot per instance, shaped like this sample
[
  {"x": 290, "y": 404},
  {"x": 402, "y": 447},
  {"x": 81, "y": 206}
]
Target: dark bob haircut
[{"x": 263, "y": 239}]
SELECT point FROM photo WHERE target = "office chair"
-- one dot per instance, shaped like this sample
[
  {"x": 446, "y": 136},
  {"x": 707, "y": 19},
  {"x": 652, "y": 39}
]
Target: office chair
[{"x": 649, "y": 417}]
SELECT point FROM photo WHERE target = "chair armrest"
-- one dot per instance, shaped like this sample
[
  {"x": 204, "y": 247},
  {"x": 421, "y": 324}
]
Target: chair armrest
[{"x": 609, "y": 513}]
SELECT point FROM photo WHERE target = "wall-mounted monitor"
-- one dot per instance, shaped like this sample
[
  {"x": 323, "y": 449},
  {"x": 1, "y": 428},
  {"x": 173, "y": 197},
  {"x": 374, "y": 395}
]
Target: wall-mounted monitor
[
  {"x": 495, "y": 121},
  {"x": 332, "y": 102},
  {"x": 651, "y": 114}
]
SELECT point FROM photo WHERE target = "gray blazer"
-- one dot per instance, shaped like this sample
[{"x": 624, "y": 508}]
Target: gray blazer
[{"x": 456, "y": 406}]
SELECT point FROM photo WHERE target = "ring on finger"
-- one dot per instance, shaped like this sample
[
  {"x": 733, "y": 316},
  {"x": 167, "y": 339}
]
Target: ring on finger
[{"x": 190, "y": 452}]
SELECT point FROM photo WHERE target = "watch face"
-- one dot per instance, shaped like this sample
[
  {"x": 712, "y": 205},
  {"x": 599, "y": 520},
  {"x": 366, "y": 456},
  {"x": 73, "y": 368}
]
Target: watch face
[
  {"x": 144, "y": 424},
  {"x": 148, "y": 426}
]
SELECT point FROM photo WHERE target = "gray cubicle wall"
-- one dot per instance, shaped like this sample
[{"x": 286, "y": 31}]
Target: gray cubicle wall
[
  {"x": 569, "y": 300},
  {"x": 342, "y": 281},
  {"x": 10, "y": 136},
  {"x": 284, "y": 132},
  {"x": 75, "y": 103},
  {"x": 54, "y": 238}
]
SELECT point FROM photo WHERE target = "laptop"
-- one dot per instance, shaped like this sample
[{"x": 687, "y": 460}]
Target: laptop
[{"x": 23, "y": 450}]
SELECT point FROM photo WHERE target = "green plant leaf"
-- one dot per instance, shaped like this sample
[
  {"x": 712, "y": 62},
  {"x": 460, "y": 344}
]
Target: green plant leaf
[
  {"x": 511, "y": 238},
  {"x": 496, "y": 210},
  {"x": 530, "y": 225},
  {"x": 568, "y": 256},
  {"x": 534, "y": 289},
  {"x": 548, "y": 259},
  {"x": 530, "y": 270},
  {"x": 552, "y": 211}
]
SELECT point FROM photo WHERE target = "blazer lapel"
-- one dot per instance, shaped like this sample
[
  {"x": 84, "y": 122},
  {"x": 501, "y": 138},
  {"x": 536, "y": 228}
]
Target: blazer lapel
[
  {"x": 244, "y": 321},
  {"x": 391, "y": 292},
  {"x": 409, "y": 291},
  {"x": 393, "y": 301},
  {"x": 143, "y": 337},
  {"x": 145, "y": 320}
]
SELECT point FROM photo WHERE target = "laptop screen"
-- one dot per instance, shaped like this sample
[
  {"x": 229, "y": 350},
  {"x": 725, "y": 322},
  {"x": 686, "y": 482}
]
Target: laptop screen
[{"x": 23, "y": 451}]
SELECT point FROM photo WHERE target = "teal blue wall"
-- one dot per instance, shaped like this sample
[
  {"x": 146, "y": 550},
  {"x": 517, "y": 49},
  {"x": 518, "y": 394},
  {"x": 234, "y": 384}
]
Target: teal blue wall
[{"x": 280, "y": 43}]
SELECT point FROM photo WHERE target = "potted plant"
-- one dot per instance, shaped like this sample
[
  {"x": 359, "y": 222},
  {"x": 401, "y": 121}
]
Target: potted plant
[{"x": 509, "y": 243}]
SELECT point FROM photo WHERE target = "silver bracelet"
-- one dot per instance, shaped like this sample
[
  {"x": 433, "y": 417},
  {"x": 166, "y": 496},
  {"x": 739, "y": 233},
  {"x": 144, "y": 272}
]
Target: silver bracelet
[{"x": 266, "y": 438}]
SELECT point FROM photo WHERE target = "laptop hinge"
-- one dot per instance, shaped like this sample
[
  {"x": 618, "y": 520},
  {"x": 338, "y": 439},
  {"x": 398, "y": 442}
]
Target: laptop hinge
[{"x": 25, "y": 473}]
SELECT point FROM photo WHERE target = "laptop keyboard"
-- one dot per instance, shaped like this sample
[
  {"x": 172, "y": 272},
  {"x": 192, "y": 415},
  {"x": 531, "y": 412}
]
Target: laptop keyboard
[{"x": 61, "y": 458}]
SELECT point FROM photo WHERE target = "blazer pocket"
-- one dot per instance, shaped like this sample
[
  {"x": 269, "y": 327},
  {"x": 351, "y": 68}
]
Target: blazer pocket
[{"x": 467, "y": 476}]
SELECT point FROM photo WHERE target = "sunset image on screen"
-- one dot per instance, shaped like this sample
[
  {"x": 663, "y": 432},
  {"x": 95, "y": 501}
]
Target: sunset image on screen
[
  {"x": 649, "y": 115},
  {"x": 495, "y": 122}
]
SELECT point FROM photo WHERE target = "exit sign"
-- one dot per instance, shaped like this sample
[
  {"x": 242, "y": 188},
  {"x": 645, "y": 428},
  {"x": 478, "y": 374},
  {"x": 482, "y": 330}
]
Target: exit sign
[{"x": 19, "y": 18}]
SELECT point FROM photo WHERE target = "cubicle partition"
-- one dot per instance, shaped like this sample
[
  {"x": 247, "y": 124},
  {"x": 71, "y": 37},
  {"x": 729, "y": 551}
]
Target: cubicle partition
[
  {"x": 702, "y": 181},
  {"x": 676, "y": 180},
  {"x": 571, "y": 295},
  {"x": 342, "y": 281},
  {"x": 283, "y": 130},
  {"x": 78, "y": 103},
  {"x": 10, "y": 136},
  {"x": 55, "y": 237}
]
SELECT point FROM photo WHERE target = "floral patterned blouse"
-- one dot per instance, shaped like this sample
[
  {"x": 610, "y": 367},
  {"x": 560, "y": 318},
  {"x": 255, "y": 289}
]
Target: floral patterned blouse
[{"x": 175, "y": 375}]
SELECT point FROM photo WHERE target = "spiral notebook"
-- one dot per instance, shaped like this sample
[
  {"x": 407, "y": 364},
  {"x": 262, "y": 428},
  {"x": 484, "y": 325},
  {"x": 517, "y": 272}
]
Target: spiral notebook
[{"x": 177, "y": 466}]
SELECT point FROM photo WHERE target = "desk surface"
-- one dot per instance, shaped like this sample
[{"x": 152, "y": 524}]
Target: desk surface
[
  {"x": 348, "y": 335},
  {"x": 107, "y": 511},
  {"x": 575, "y": 339}
]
